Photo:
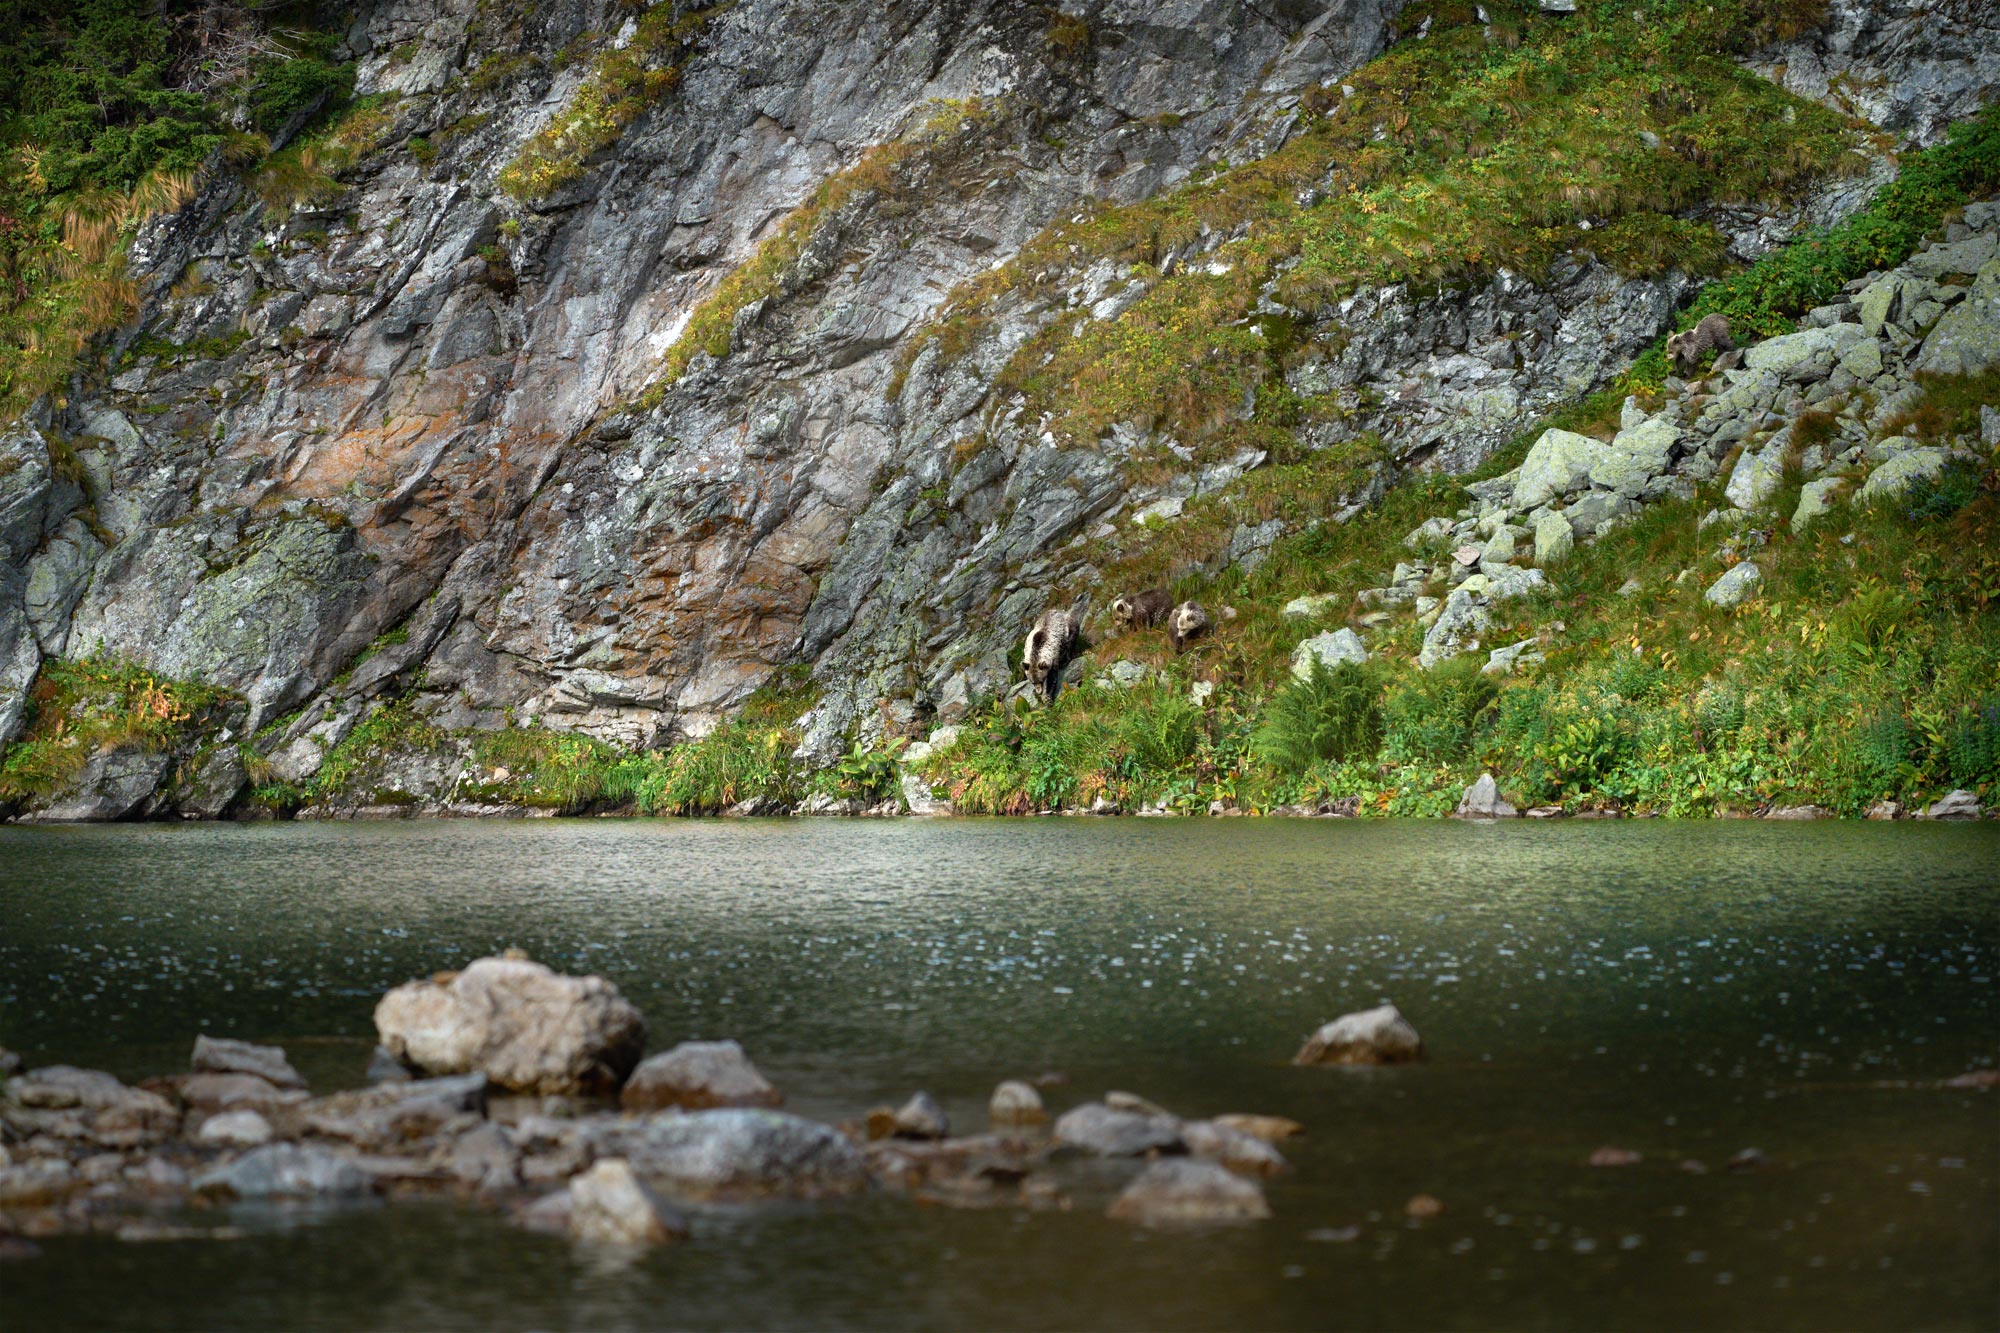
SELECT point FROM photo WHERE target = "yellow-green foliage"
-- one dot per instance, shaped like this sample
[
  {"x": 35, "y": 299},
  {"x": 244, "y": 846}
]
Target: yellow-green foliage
[
  {"x": 882, "y": 171},
  {"x": 80, "y": 708},
  {"x": 1865, "y": 670},
  {"x": 1476, "y": 147},
  {"x": 63, "y": 278},
  {"x": 621, "y": 84}
]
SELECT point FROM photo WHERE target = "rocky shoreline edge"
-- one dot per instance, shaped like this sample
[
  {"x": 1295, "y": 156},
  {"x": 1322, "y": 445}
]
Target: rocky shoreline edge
[{"x": 514, "y": 1088}]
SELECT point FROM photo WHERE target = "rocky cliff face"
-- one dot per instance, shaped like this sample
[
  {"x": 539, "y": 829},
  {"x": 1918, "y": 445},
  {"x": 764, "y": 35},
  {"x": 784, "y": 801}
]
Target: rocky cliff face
[{"x": 411, "y": 410}]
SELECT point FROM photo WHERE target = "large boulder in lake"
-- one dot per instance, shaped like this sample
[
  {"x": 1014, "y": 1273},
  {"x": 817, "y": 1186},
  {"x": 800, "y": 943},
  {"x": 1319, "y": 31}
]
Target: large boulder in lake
[
  {"x": 522, "y": 1025},
  {"x": 1187, "y": 1191},
  {"x": 739, "y": 1153},
  {"x": 696, "y": 1076},
  {"x": 1380, "y": 1036}
]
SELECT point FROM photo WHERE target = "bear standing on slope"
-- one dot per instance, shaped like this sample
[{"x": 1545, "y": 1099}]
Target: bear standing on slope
[
  {"x": 1050, "y": 646},
  {"x": 1688, "y": 350},
  {"x": 1188, "y": 622},
  {"x": 1141, "y": 610}
]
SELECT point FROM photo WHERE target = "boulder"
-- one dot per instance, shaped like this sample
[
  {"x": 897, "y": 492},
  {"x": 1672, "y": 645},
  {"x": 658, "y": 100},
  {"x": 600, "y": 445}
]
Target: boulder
[
  {"x": 610, "y": 1205},
  {"x": 286, "y": 1170},
  {"x": 1244, "y": 1153},
  {"x": 1189, "y": 1192},
  {"x": 1635, "y": 457},
  {"x": 1482, "y": 800},
  {"x": 1863, "y": 360},
  {"x": 1463, "y": 617},
  {"x": 222, "y": 1092},
  {"x": 1894, "y": 474},
  {"x": 1097, "y": 1128},
  {"x": 1806, "y": 355},
  {"x": 1554, "y": 539},
  {"x": 222, "y": 1055},
  {"x": 1735, "y": 585},
  {"x": 1379, "y": 1036},
  {"x": 740, "y": 1152},
  {"x": 1304, "y": 608},
  {"x": 1757, "y": 475},
  {"x": 38, "y": 1183},
  {"x": 235, "y": 1129},
  {"x": 1956, "y": 805},
  {"x": 698, "y": 1075},
  {"x": 391, "y": 1114},
  {"x": 1559, "y": 462},
  {"x": 522, "y": 1025},
  {"x": 1331, "y": 649},
  {"x": 1966, "y": 341},
  {"x": 1815, "y": 498},
  {"x": 1270, "y": 1128},
  {"x": 922, "y": 1118},
  {"x": 112, "y": 1114},
  {"x": 1016, "y": 1103}
]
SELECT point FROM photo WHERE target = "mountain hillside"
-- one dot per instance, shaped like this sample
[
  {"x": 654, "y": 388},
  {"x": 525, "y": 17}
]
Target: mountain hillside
[{"x": 487, "y": 407}]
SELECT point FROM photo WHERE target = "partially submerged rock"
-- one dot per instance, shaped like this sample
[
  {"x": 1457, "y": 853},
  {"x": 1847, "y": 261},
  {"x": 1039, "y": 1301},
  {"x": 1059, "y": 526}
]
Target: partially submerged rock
[
  {"x": 1097, "y": 1128},
  {"x": 1243, "y": 1153},
  {"x": 524, "y": 1026},
  {"x": 222, "y": 1055},
  {"x": 922, "y": 1118},
  {"x": 286, "y": 1170},
  {"x": 235, "y": 1129},
  {"x": 1016, "y": 1103},
  {"x": 610, "y": 1205},
  {"x": 1380, "y": 1036},
  {"x": 740, "y": 1152},
  {"x": 698, "y": 1075},
  {"x": 1189, "y": 1192}
]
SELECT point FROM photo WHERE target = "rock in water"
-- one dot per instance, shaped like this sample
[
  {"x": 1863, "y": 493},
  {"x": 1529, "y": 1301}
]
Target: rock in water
[
  {"x": 286, "y": 1170},
  {"x": 522, "y": 1025},
  {"x": 1482, "y": 800},
  {"x": 1097, "y": 1128},
  {"x": 741, "y": 1153},
  {"x": 1372, "y": 1037},
  {"x": 235, "y": 1129},
  {"x": 609, "y": 1205},
  {"x": 221, "y": 1055},
  {"x": 1016, "y": 1103},
  {"x": 698, "y": 1075},
  {"x": 1241, "y": 1152},
  {"x": 1270, "y": 1128},
  {"x": 922, "y": 1118},
  {"x": 1189, "y": 1192}
]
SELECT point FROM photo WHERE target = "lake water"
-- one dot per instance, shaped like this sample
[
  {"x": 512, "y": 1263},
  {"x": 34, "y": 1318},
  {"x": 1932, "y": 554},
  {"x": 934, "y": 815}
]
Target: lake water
[{"x": 1687, "y": 991}]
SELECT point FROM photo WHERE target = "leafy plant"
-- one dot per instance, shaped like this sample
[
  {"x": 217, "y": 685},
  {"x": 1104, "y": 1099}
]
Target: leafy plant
[{"x": 1334, "y": 713}]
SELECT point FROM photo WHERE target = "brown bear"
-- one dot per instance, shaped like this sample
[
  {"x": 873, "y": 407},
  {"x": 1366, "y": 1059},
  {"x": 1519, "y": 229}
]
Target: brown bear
[
  {"x": 1688, "y": 350},
  {"x": 1050, "y": 646},
  {"x": 1141, "y": 610},
  {"x": 1188, "y": 622}
]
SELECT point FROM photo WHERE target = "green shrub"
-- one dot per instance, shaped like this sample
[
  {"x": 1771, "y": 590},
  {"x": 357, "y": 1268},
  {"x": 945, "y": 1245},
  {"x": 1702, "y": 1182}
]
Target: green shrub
[
  {"x": 1431, "y": 716},
  {"x": 285, "y": 88},
  {"x": 1971, "y": 746},
  {"x": 1333, "y": 714},
  {"x": 1161, "y": 733},
  {"x": 1939, "y": 496}
]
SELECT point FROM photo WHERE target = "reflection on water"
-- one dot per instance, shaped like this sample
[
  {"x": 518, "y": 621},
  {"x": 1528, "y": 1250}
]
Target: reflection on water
[{"x": 1686, "y": 991}]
